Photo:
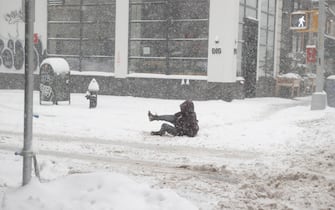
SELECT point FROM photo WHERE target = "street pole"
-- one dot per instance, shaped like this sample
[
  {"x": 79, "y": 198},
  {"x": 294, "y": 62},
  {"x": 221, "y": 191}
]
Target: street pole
[
  {"x": 27, "y": 153},
  {"x": 319, "y": 98}
]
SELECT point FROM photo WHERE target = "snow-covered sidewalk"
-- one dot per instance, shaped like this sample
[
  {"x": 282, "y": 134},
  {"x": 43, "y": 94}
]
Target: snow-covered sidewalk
[{"x": 253, "y": 153}]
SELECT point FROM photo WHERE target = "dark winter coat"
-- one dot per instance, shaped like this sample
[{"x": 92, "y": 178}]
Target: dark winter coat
[{"x": 186, "y": 122}]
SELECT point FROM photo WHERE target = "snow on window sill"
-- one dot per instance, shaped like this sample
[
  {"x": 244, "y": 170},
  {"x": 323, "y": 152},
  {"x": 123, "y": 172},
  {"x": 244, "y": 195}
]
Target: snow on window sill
[
  {"x": 164, "y": 76},
  {"x": 92, "y": 73},
  {"x": 12, "y": 71}
]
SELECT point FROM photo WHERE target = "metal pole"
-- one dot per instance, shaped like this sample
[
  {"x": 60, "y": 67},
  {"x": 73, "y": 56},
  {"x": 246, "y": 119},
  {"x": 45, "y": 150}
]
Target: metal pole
[
  {"x": 29, "y": 88},
  {"x": 319, "y": 98},
  {"x": 321, "y": 46},
  {"x": 81, "y": 30}
]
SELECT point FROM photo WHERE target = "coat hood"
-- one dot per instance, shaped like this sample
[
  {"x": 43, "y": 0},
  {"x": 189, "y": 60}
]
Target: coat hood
[{"x": 187, "y": 106}]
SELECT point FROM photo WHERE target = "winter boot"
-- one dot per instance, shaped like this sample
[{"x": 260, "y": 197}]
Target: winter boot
[
  {"x": 151, "y": 116},
  {"x": 156, "y": 133}
]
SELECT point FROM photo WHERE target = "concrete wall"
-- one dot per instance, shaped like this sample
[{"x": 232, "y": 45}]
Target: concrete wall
[{"x": 141, "y": 87}]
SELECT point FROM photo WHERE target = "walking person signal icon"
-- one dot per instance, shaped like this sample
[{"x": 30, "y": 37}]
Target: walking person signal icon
[{"x": 299, "y": 20}]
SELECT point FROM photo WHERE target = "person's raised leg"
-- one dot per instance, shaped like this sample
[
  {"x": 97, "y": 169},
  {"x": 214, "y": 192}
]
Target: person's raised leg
[{"x": 167, "y": 118}]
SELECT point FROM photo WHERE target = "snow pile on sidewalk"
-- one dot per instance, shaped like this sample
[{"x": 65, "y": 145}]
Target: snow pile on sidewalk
[
  {"x": 60, "y": 189},
  {"x": 92, "y": 191}
]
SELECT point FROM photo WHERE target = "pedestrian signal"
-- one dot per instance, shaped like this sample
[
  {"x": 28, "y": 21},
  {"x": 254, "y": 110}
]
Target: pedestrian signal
[{"x": 299, "y": 20}]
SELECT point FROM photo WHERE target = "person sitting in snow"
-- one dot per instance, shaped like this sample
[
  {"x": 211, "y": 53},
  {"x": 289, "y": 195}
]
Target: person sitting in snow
[{"x": 184, "y": 122}]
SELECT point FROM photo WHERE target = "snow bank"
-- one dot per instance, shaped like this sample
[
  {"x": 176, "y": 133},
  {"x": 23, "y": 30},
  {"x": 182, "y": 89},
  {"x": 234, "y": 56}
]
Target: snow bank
[{"x": 93, "y": 191}]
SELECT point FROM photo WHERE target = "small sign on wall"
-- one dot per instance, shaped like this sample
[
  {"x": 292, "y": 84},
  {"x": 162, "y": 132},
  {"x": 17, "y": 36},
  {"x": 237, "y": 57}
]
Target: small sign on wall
[
  {"x": 311, "y": 54},
  {"x": 216, "y": 50},
  {"x": 146, "y": 50},
  {"x": 35, "y": 38}
]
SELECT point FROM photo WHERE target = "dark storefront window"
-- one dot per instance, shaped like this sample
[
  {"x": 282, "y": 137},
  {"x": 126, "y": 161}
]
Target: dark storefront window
[
  {"x": 266, "y": 36},
  {"x": 266, "y": 42},
  {"x": 83, "y": 31},
  {"x": 168, "y": 37}
]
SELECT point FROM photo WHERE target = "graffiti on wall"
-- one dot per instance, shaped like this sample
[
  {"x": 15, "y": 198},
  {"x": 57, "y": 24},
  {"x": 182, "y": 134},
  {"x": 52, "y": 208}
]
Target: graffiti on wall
[{"x": 12, "y": 48}]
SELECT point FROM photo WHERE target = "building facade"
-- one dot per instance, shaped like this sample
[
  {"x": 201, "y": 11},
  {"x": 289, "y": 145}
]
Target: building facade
[
  {"x": 294, "y": 57},
  {"x": 199, "y": 49}
]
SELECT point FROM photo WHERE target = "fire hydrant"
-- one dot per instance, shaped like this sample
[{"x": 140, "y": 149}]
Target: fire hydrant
[{"x": 92, "y": 93}]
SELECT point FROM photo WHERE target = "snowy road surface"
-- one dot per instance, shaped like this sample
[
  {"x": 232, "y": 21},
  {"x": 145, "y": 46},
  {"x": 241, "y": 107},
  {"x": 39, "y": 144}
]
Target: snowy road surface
[{"x": 264, "y": 153}]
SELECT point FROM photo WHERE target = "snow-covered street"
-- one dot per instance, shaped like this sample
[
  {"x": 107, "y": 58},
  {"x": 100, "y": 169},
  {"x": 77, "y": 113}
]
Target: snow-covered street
[{"x": 260, "y": 153}]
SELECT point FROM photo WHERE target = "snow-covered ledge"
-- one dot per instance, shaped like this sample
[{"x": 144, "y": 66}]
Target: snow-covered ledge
[
  {"x": 164, "y": 76},
  {"x": 93, "y": 73}
]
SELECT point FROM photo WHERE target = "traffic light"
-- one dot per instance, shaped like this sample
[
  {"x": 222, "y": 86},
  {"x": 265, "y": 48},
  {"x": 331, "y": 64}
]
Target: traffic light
[{"x": 299, "y": 20}]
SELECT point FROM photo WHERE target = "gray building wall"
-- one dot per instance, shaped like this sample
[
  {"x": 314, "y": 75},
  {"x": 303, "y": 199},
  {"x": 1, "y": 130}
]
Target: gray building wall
[{"x": 141, "y": 87}]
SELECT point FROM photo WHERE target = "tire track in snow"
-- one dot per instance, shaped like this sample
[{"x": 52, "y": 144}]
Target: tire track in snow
[
  {"x": 155, "y": 146},
  {"x": 204, "y": 171},
  {"x": 200, "y": 183},
  {"x": 173, "y": 166}
]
